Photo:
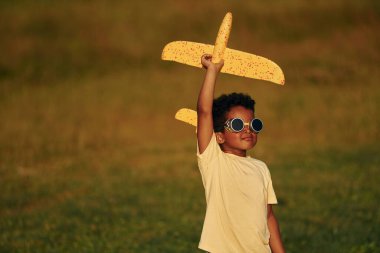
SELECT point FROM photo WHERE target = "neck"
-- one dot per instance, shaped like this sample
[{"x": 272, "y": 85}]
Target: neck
[{"x": 238, "y": 152}]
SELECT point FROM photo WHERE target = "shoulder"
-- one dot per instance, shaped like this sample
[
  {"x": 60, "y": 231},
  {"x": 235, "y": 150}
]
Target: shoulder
[
  {"x": 211, "y": 152},
  {"x": 259, "y": 163},
  {"x": 262, "y": 165}
]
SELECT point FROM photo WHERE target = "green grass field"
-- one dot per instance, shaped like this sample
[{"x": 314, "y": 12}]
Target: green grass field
[{"x": 92, "y": 159}]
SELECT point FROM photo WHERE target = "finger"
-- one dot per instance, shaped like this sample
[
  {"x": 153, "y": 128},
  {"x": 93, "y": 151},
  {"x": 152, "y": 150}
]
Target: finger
[
  {"x": 220, "y": 64},
  {"x": 207, "y": 56}
]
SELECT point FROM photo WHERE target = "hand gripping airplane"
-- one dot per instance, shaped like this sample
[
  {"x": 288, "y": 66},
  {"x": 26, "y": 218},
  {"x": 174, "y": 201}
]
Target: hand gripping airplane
[{"x": 235, "y": 62}]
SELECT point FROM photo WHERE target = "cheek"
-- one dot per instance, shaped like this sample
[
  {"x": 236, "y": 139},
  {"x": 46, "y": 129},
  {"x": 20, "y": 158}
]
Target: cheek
[
  {"x": 231, "y": 137},
  {"x": 254, "y": 136}
]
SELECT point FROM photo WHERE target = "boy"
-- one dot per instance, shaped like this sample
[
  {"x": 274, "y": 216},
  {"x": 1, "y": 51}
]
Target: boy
[{"x": 239, "y": 191}]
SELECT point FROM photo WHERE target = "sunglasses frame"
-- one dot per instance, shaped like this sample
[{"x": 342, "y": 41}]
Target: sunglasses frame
[{"x": 228, "y": 125}]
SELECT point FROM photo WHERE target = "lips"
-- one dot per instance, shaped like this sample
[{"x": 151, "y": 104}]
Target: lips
[{"x": 250, "y": 138}]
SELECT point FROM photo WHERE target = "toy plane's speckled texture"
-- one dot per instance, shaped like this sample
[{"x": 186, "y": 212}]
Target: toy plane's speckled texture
[
  {"x": 235, "y": 62},
  {"x": 187, "y": 115}
]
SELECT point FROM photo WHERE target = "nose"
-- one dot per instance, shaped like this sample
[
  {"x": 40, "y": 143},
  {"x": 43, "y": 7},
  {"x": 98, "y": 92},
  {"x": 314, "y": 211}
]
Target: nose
[{"x": 247, "y": 129}]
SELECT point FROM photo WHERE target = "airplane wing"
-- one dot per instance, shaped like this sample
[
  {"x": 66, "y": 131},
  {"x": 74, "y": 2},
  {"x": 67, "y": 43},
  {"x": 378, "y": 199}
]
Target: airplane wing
[
  {"x": 253, "y": 66},
  {"x": 187, "y": 115},
  {"x": 235, "y": 62},
  {"x": 186, "y": 52}
]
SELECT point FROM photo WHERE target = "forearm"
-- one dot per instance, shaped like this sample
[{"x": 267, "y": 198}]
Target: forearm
[
  {"x": 206, "y": 95},
  {"x": 205, "y": 100},
  {"x": 275, "y": 241}
]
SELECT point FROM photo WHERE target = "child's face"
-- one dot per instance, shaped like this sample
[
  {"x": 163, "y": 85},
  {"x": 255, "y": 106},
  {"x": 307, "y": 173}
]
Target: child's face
[{"x": 238, "y": 143}]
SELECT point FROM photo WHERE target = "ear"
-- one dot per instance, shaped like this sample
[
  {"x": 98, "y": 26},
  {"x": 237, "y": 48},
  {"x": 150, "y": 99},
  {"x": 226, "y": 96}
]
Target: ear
[{"x": 220, "y": 137}]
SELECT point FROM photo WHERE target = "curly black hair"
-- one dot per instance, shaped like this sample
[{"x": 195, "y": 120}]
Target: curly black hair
[{"x": 222, "y": 105}]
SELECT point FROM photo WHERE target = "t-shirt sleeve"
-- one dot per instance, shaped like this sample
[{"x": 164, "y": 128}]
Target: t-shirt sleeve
[
  {"x": 272, "y": 199},
  {"x": 209, "y": 153}
]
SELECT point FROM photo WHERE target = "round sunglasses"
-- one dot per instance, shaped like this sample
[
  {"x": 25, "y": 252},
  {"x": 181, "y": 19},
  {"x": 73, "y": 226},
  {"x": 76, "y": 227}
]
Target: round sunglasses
[{"x": 237, "y": 125}]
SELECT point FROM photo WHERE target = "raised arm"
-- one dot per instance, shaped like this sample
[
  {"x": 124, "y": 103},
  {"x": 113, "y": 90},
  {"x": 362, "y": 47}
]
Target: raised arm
[{"x": 205, "y": 99}]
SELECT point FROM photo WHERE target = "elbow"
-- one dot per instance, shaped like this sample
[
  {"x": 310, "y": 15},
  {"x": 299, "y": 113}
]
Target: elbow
[{"x": 204, "y": 110}]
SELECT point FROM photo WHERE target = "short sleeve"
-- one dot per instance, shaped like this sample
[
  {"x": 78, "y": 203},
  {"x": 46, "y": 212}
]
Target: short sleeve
[
  {"x": 272, "y": 199},
  {"x": 212, "y": 150}
]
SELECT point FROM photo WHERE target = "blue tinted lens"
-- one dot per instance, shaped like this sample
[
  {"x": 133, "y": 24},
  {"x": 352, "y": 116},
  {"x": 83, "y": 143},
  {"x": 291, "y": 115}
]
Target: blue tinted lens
[
  {"x": 237, "y": 125},
  {"x": 256, "y": 125}
]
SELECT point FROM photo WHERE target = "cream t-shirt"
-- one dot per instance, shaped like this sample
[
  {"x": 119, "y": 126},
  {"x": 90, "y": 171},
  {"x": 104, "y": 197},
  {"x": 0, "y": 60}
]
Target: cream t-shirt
[{"x": 237, "y": 191}]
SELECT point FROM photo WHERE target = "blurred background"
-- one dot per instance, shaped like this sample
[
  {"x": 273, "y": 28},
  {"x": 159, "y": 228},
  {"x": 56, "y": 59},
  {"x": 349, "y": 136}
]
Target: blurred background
[{"x": 92, "y": 159}]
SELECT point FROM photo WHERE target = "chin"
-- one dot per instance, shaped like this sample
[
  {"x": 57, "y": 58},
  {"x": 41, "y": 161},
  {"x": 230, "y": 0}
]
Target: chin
[
  {"x": 253, "y": 144},
  {"x": 249, "y": 146}
]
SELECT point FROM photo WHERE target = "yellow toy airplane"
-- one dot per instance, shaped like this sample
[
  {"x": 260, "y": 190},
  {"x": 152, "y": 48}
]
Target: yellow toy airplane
[
  {"x": 187, "y": 115},
  {"x": 235, "y": 62}
]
